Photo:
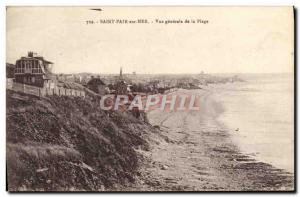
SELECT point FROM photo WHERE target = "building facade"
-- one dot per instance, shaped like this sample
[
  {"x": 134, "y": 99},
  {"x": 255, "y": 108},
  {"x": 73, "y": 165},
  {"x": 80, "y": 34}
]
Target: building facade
[{"x": 33, "y": 70}]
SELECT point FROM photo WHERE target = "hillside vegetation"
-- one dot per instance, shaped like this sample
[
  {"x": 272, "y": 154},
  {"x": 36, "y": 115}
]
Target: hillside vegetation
[{"x": 65, "y": 143}]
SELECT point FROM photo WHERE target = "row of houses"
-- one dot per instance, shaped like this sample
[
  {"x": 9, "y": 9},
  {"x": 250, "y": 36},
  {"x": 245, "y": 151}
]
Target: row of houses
[{"x": 34, "y": 70}]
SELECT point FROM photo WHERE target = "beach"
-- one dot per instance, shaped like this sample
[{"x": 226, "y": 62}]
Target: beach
[{"x": 195, "y": 151}]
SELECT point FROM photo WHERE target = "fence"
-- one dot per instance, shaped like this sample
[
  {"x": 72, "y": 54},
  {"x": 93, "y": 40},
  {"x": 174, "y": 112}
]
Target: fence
[{"x": 42, "y": 92}]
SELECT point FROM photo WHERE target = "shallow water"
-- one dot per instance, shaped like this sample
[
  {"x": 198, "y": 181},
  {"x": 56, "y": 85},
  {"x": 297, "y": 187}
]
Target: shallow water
[{"x": 260, "y": 115}]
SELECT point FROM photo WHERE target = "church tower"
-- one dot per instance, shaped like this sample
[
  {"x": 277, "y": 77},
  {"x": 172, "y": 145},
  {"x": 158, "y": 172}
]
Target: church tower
[{"x": 121, "y": 74}]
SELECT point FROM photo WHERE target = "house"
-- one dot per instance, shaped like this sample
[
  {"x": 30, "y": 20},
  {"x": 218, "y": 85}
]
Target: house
[
  {"x": 33, "y": 70},
  {"x": 97, "y": 85}
]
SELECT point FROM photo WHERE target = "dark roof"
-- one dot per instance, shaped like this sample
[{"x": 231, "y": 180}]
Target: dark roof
[
  {"x": 45, "y": 61},
  {"x": 38, "y": 58},
  {"x": 95, "y": 81}
]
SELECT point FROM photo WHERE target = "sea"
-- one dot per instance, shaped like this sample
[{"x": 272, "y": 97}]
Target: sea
[{"x": 259, "y": 113}]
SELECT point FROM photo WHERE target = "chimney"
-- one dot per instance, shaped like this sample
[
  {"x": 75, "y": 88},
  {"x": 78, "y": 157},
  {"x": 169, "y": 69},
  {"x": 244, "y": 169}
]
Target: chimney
[{"x": 30, "y": 54}]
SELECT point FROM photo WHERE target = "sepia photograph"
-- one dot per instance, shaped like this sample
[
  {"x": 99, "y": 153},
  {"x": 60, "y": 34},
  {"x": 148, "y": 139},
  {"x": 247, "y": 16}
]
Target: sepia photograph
[{"x": 150, "y": 99}]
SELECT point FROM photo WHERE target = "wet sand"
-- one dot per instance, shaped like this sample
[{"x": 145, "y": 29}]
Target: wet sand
[{"x": 192, "y": 152}]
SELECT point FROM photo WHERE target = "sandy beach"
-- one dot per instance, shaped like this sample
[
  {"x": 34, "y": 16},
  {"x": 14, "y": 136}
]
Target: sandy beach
[{"x": 192, "y": 151}]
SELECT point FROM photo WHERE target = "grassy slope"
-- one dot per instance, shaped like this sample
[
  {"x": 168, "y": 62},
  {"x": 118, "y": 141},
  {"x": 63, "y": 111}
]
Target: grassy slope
[{"x": 63, "y": 143}]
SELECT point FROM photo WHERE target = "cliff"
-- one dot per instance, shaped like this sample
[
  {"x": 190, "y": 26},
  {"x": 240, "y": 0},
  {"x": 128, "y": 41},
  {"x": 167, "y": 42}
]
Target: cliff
[{"x": 65, "y": 143}]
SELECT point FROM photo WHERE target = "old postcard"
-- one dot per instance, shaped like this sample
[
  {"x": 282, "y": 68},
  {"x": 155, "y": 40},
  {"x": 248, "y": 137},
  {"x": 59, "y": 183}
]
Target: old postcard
[{"x": 148, "y": 99}]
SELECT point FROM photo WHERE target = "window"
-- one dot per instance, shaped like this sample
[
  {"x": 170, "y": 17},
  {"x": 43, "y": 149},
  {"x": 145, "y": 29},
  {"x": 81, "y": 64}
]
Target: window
[
  {"x": 33, "y": 79},
  {"x": 22, "y": 67}
]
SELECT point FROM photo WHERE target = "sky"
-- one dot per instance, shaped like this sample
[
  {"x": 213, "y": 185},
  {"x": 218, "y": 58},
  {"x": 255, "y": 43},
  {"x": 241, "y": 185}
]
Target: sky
[{"x": 235, "y": 39}]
